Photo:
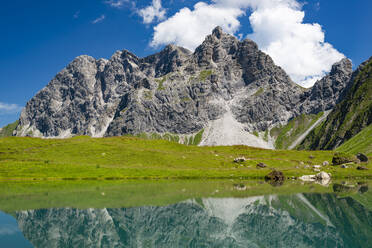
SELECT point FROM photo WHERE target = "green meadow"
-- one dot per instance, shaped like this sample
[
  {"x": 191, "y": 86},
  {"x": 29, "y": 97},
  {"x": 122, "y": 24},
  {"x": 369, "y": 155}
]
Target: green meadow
[{"x": 117, "y": 158}]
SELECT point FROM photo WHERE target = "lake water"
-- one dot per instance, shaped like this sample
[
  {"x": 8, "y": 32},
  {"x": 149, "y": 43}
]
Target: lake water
[{"x": 226, "y": 214}]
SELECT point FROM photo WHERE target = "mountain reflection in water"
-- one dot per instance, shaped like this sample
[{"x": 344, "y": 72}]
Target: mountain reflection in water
[{"x": 299, "y": 220}]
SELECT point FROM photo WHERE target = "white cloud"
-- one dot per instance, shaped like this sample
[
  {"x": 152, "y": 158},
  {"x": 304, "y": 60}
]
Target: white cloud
[
  {"x": 99, "y": 19},
  {"x": 152, "y": 12},
  {"x": 278, "y": 29},
  {"x": 188, "y": 28},
  {"x": 77, "y": 14},
  {"x": 116, "y": 3},
  {"x": 6, "y": 108},
  {"x": 296, "y": 46}
]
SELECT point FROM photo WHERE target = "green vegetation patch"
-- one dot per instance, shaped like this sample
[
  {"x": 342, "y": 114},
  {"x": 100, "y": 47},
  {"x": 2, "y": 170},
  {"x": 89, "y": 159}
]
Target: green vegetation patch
[
  {"x": 287, "y": 134},
  {"x": 161, "y": 82},
  {"x": 8, "y": 129},
  {"x": 259, "y": 92},
  {"x": 362, "y": 142},
  {"x": 205, "y": 74}
]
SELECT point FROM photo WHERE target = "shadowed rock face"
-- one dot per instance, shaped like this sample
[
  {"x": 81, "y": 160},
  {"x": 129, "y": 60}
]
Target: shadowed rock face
[
  {"x": 175, "y": 91},
  {"x": 302, "y": 220}
]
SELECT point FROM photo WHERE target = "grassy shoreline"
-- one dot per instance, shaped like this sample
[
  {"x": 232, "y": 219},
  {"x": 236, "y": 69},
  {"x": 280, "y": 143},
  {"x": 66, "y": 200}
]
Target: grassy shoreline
[
  {"x": 16, "y": 196},
  {"x": 125, "y": 158}
]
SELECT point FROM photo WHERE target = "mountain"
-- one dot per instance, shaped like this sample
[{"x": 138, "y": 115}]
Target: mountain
[
  {"x": 227, "y": 92},
  {"x": 349, "y": 117},
  {"x": 301, "y": 220}
]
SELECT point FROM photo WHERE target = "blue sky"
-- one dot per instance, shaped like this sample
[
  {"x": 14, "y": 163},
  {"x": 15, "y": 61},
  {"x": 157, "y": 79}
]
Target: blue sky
[{"x": 39, "y": 38}]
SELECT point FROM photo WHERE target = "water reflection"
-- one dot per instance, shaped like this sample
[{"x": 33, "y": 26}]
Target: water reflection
[{"x": 298, "y": 220}]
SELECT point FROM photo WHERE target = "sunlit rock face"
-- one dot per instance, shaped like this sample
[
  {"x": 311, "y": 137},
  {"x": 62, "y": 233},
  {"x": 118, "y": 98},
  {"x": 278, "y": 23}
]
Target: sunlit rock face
[
  {"x": 176, "y": 91},
  {"x": 311, "y": 220}
]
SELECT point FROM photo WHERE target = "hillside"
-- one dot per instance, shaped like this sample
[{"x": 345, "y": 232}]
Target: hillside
[
  {"x": 362, "y": 142},
  {"x": 8, "y": 130},
  {"x": 349, "y": 117}
]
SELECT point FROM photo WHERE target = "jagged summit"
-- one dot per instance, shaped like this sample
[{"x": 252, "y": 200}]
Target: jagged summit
[{"x": 227, "y": 89}]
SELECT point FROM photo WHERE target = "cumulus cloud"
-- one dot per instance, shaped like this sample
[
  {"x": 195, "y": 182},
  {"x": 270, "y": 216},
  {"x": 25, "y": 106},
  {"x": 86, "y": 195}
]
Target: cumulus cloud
[
  {"x": 188, "y": 28},
  {"x": 153, "y": 12},
  {"x": 278, "y": 29},
  {"x": 99, "y": 19},
  {"x": 6, "y": 108}
]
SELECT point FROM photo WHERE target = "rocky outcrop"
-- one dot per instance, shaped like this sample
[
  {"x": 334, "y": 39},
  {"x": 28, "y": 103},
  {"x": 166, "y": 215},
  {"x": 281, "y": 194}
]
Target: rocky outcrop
[{"x": 227, "y": 87}]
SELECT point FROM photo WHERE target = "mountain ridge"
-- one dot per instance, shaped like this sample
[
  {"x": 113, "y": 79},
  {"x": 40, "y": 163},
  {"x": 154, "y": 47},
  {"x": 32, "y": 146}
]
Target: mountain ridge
[{"x": 179, "y": 92}]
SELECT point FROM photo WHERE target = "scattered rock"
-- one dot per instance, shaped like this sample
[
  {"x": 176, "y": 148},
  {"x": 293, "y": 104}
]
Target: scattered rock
[
  {"x": 302, "y": 163},
  {"x": 240, "y": 187},
  {"x": 307, "y": 178},
  {"x": 362, "y": 157},
  {"x": 342, "y": 158},
  {"x": 311, "y": 157},
  {"x": 317, "y": 166},
  {"x": 362, "y": 168},
  {"x": 316, "y": 170},
  {"x": 261, "y": 165},
  {"x": 344, "y": 166},
  {"x": 325, "y": 163},
  {"x": 322, "y": 178},
  {"x": 307, "y": 166},
  {"x": 276, "y": 178},
  {"x": 240, "y": 160}
]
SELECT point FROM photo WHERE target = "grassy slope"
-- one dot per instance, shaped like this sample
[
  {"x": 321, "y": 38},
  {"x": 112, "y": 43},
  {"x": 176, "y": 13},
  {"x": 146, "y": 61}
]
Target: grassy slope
[
  {"x": 129, "y": 157},
  {"x": 362, "y": 142},
  {"x": 8, "y": 130},
  {"x": 348, "y": 118},
  {"x": 286, "y": 135}
]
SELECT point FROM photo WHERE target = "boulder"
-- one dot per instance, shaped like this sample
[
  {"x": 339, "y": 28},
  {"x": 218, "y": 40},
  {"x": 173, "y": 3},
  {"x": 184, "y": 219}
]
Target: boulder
[
  {"x": 325, "y": 163},
  {"x": 261, "y": 165},
  {"x": 322, "y": 178},
  {"x": 344, "y": 166},
  {"x": 240, "y": 160},
  {"x": 275, "y": 176},
  {"x": 362, "y": 157},
  {"x": 342, "y": 158}
]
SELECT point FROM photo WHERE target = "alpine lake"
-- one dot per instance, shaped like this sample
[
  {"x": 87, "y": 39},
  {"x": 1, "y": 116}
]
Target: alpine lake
[{"x": 185, "y": 213}]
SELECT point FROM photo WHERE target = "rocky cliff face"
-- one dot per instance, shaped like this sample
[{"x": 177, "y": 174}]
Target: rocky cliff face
[
  {"x": 349, "y": 117},
  {"x": 227, "y": 87},
  {"x": 302, "y": 220}
]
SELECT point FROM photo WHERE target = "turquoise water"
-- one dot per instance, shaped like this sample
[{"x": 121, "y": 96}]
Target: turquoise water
[{"x": 335, "y": 219}]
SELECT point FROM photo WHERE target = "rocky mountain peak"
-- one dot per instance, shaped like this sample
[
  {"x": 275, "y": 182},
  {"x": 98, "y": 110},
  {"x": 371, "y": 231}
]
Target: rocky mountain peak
[
  {"x": 344, "y": 66},
  {"x": 227, "y": 89},
  {"x": 329, "y": 90},
  {"x": 217, "y": 32}
]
